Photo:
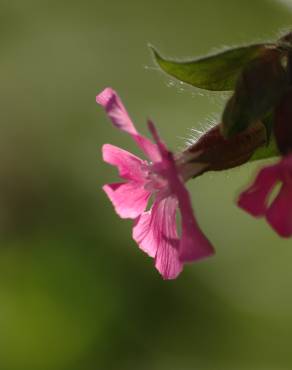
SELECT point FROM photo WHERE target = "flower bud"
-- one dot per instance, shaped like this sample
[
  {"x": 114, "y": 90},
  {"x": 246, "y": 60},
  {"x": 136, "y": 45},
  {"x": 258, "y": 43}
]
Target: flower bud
[
  {"x": 217, "y": 153},
  {"x": 260, "y": 87}
]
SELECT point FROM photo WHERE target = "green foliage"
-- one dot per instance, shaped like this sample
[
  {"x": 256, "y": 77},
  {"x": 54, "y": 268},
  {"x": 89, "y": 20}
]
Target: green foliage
[{"x": 218, "y": 72}]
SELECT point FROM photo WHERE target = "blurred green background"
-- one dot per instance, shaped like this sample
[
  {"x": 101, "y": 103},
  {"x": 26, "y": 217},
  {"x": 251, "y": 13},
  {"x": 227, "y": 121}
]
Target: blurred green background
[{"x": 75, "y": 291}]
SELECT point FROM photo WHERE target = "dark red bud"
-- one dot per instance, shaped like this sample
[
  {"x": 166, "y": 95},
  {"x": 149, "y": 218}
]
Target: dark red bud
[
  {"x": 220, "y": 153},
  {"x": 259, "y": 88}
]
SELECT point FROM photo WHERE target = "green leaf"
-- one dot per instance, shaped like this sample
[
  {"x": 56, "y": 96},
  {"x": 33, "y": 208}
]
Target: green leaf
[
  {"x": 218, "y": 72},
  {"x": 260, "y": 86}
]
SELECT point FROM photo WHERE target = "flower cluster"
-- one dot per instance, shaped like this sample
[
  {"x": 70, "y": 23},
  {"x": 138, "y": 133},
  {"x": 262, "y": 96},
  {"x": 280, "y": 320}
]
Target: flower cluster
[{"x": 256, "y": 124}]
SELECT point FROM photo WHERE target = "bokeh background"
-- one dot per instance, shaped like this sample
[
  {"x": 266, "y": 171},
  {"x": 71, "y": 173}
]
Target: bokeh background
[{"x": 75, "y": 291}]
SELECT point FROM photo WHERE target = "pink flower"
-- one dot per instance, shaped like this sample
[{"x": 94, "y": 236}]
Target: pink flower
[
  {"x": 159, "y": 178},
  {"x": 255, "y": 200}
]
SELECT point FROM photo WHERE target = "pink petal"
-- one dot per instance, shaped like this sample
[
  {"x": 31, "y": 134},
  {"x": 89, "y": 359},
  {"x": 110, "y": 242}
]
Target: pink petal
[
  {"x": 116, "y": 111},
  {"x": 155, "y": 233},
  {"x": 148, "y": 148},
  {"x": 143, "y": 234},
  {"x": 167, "y": 259},
  {"x": 193, "y": 245},
  {"x": 279, "y": 215},
  {"x": 254, "y": 199},
  {"x": 161, "y": 146},
  {"x": 130, "y": 166},
  {"x": 286, "y": 164},
  {"x": 129, "y": 199},
  {"x": 120, "y": 118}
]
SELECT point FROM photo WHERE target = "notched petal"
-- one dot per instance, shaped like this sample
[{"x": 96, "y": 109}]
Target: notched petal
[{"x": 129, "y": 199}]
